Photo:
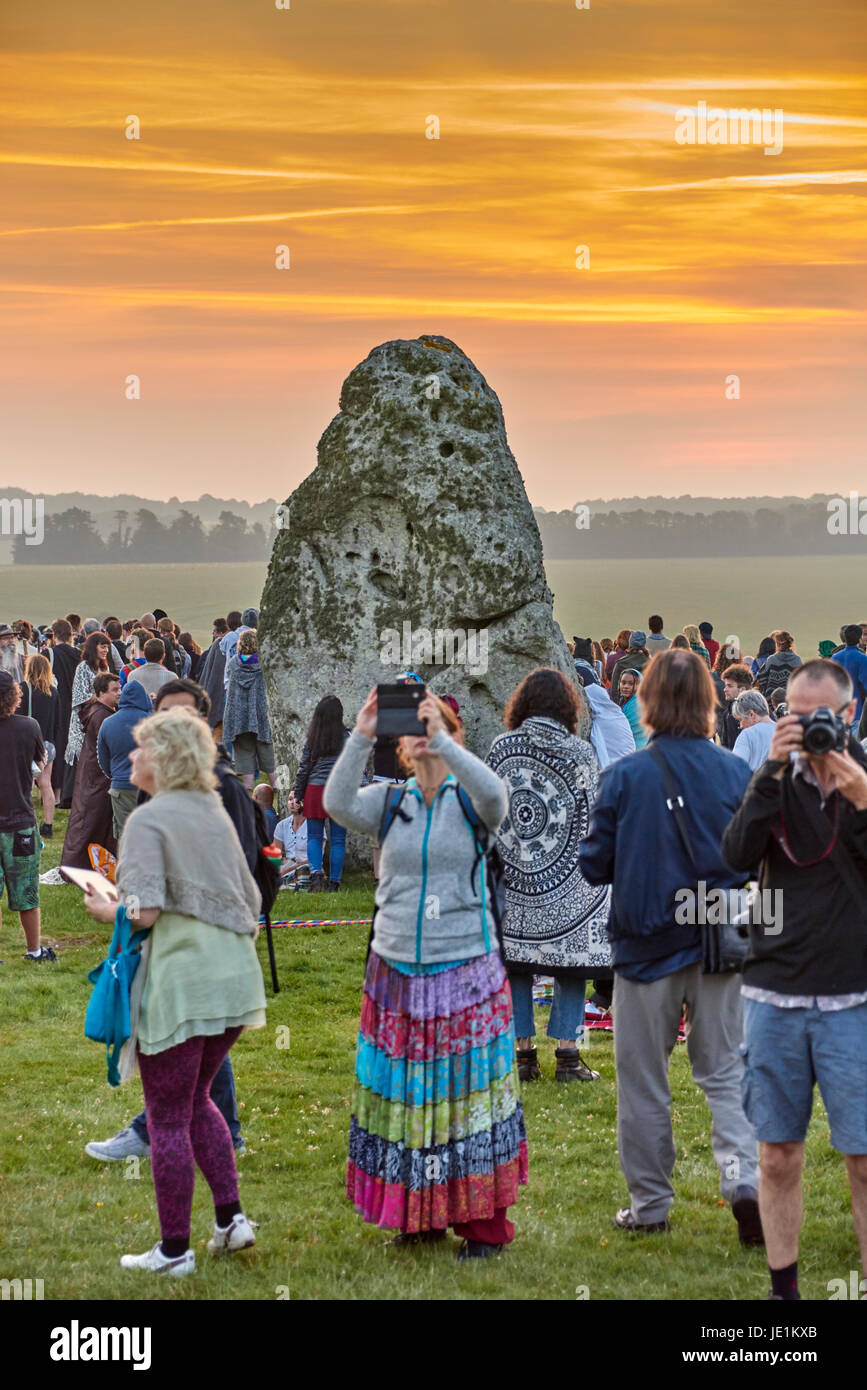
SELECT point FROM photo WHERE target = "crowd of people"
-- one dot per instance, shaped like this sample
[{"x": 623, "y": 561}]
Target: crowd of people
[{"x": 669, "y": 770}]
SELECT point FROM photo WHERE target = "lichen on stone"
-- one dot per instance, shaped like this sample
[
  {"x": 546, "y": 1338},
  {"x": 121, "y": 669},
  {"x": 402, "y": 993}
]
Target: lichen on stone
[{"x": 416, "y": 513}]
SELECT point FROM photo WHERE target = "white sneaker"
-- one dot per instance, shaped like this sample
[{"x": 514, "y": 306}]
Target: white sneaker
[
  {"x": 238, "y": 1235},
  {"x": 159, "y": 1263},
  {"x": 124, "y": 1144}
]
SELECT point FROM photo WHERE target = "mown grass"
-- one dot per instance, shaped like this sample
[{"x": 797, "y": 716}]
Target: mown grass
[{"x": 68, "y": 1219}]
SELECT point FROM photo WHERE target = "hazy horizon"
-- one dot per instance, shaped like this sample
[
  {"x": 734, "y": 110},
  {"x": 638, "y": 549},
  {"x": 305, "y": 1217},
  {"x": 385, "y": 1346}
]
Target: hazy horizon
[{"x": 10, "y": 485}]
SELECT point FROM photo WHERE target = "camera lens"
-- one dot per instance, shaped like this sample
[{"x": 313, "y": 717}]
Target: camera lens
[{"x": 818, "y": 739}]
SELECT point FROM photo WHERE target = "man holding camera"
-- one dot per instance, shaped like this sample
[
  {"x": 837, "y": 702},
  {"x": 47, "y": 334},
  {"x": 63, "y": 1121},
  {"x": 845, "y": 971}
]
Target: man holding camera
[{"x": 804, "y": 819}]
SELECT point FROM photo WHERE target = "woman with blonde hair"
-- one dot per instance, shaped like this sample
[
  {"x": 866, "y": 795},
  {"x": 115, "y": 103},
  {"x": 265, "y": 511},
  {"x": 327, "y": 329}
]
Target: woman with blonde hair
[
  {"x": 40, "y": 701},
  {"x": 693, "y": 637},
  {"x": 182, "y": 872},
  {"x": 437, "y": 1135}
]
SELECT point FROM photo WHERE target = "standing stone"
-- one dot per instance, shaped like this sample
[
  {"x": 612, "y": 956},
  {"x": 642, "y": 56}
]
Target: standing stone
[{"x": 412, "y": 543}]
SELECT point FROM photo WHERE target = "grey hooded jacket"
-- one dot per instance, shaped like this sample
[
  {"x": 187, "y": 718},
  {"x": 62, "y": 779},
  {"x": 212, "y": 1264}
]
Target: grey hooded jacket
[
  {"x": 246, "y": 709},
  {"x": 430, "y": 906}
]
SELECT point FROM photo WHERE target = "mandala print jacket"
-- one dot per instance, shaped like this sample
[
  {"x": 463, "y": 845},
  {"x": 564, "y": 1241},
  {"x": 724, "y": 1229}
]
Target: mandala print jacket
[{"x": 555, "y": 921}]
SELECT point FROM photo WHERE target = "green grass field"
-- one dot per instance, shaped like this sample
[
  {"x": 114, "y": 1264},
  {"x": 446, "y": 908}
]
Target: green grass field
[
  {"x": 810, "y": 595},
  {"x": 68, "y": 1219}
]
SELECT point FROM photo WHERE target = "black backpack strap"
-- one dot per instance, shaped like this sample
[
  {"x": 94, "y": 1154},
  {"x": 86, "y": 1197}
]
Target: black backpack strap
[
  {"x": 391, "y": 809},
  {"x": 479, "y": 829},
  {"x": 674, "y": 801}
]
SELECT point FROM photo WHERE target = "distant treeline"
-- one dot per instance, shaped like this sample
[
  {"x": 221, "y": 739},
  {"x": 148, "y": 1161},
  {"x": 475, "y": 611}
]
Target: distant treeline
[
  {"x": 813, "y": 526},
  {"x": 797, "y": 528},
  {"x": 72, "y": 538}
]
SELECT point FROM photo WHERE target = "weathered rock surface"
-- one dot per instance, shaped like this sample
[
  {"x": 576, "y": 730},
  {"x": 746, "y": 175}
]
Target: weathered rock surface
[{"x": 414, "y": 521}]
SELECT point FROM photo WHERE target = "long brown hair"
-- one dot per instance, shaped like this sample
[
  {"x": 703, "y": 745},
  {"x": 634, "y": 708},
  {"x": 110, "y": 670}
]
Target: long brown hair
[
  {"x": 37, "y": 673},
  {"x": 88, "y": 651},
  {"x": 677, "y": 695},
  {"x": 723, "y": 662}
]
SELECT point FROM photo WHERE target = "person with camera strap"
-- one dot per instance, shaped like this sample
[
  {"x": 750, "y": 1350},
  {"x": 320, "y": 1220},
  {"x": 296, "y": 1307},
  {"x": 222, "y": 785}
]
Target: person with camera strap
[{"x": 804, "y": 820}]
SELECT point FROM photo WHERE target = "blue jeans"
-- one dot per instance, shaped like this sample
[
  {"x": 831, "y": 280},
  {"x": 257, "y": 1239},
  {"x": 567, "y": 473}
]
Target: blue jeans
[
  {"x": 223, "y": 1096},
  {"x": 337, "y": 855},
  {"x": 787, "y": 1053},
  {"x": 567, "y": 1010}
]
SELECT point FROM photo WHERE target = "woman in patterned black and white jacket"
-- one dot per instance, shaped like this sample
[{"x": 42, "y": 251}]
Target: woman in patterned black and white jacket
[{"x": 555, "y": 921}]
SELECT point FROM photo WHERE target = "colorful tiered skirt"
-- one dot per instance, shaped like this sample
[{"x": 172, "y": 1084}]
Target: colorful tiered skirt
[{"x": 437, "y": 1135}]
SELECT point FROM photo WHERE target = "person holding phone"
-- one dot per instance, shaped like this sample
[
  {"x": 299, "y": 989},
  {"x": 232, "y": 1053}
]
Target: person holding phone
[{"x": 437, "y": 1136}]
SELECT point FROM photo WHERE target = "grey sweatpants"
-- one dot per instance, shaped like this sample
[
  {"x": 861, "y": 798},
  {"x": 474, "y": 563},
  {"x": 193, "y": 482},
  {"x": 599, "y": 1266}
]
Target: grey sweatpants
[{"x": 646, "y": 1021}]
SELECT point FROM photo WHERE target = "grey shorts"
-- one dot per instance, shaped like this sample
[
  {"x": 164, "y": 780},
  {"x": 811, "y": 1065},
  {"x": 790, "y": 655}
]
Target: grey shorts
[{"x": 247, "y": 750}]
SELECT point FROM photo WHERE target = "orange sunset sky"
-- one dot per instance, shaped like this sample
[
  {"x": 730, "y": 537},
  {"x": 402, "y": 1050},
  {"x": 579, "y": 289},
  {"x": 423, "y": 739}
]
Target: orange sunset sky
[{"x": 307, "y": 127}]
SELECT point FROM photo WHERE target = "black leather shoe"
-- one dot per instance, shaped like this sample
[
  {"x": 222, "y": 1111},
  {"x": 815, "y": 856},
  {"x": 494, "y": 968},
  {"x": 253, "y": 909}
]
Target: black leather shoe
[
  {"x": 745, "y": 1210},
  {"x": 477, "y": 1250},
  {"x": 407, "y": 1238},
  {"x": 625, "y": 1221}
]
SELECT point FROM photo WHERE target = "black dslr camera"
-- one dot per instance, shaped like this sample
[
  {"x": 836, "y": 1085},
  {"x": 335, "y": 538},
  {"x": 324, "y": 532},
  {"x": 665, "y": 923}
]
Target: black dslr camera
[{"x": 824, "y": 732}]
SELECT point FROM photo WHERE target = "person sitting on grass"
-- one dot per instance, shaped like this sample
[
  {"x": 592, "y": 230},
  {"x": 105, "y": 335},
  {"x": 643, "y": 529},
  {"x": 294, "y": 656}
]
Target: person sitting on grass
[
  {"x": 21, "y": 747},
  {"x": 437, "y": 1136},
  {"x": 181, "y": 871},
  {"x": 291, "y": 836}
]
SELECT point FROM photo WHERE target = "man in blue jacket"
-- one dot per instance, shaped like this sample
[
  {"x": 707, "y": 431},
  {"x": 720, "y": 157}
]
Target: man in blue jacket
[
  {"x": 853, "y": 660},
  {"x": 114, "y": 745},
  {"x": 655, "y": 928}
]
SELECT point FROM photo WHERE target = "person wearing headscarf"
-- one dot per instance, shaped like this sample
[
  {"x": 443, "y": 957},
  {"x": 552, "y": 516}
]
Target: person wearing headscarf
[{"x": 630, "y": 680}]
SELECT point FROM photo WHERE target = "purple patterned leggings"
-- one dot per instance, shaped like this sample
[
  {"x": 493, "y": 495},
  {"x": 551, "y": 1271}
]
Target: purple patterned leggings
[{"x": 185, "y": 1125}]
